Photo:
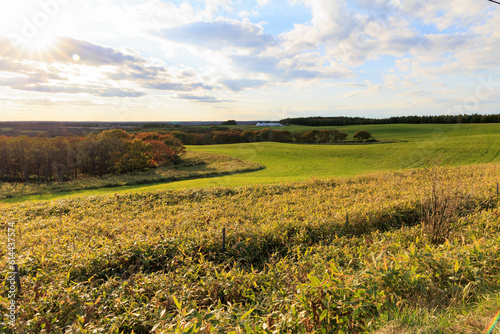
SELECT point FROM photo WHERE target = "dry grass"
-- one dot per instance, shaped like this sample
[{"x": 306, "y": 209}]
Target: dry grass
[
  {"x": 154, "y": 260},
  {"x": 446, "y": 201}
]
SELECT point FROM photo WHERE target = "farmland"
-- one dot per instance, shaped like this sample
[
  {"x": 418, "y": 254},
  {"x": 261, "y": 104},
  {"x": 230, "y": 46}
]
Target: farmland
[
  {"x": 423, "y": 146},
  {"x": 153, "y": 261}
]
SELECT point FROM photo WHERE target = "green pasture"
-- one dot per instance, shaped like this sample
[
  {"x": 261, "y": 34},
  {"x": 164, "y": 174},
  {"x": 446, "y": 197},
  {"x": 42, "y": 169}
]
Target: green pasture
[
  {"x": 425, "y": 145},
  {"x": 419, "y": 146}
]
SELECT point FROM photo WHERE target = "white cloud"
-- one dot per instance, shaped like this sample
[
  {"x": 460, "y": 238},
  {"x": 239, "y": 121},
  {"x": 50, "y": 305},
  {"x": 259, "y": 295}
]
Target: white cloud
[
  {"x": 369, "y": 90},
  {"x": 331, "y": 20},
  {"x": 445, "y": 14},
  {"x": 219, "y": 34},
  {"x": 201, "y": 99}
]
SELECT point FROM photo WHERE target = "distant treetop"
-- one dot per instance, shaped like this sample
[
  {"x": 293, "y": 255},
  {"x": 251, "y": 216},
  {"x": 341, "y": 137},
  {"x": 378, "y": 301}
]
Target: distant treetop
[{"x": 343, "y": 120}]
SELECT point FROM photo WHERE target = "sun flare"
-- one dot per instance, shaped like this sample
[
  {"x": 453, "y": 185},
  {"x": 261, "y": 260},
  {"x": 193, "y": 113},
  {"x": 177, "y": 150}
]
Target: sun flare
[{"x": 41, "y": 43}]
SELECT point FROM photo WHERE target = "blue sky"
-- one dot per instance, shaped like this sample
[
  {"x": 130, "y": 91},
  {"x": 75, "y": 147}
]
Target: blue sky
[{"x": 247, "y": 60}]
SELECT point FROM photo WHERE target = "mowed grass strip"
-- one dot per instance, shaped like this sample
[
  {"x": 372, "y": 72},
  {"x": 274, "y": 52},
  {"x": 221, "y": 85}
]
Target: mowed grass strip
[{"x": 192, "y": 165}]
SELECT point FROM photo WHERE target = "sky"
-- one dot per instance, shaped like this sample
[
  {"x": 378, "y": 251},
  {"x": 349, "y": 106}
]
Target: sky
[{"x": 199, "y": 60}]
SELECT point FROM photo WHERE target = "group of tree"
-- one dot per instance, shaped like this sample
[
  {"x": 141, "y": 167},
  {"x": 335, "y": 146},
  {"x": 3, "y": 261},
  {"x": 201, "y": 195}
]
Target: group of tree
[
  {"x": 362, "y": 136},
  {"x": 39, "y": 159},
  {"x": 233, "y": 136},
  {"x": 442, "y": 119},
  {"x": 322, "y": 136},
  {"x": 230, "y": 122}
]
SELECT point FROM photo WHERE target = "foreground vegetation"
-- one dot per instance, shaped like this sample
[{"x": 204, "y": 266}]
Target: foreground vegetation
[{"x": 153, "y": 261}]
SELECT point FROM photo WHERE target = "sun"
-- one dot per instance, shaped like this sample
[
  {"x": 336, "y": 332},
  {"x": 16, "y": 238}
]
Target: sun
[
  {"x": 43, "y": 46},
  {"x": 30, "y": 25},
  {"x": 43, "y": 42}
]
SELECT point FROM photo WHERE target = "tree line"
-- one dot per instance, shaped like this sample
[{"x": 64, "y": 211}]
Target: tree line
[
  {"x": 234, "y": 136},
  {"x": 42, "y": 159},
  {"x": 442, "y": 119}
]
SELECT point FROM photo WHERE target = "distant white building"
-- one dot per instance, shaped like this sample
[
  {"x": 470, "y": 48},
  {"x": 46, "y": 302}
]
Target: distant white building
[{"x": 269, "y": 124}]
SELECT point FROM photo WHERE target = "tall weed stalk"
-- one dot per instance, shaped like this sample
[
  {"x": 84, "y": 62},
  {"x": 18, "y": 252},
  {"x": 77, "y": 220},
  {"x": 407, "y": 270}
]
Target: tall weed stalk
[{"x": 443, "y": 206}]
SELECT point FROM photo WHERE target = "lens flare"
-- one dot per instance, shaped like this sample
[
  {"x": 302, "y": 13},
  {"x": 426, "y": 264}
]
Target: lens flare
[{"x": 493, "y": 324}]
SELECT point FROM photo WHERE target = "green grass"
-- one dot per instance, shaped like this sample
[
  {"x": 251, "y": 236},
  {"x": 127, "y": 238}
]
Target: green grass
[
  {"x": 426, "y": 145},
  {"x": 395, "y": 131}
]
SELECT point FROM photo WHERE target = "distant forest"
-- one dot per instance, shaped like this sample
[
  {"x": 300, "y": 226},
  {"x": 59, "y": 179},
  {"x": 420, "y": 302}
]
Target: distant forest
[{"x": 343, "y": 120}]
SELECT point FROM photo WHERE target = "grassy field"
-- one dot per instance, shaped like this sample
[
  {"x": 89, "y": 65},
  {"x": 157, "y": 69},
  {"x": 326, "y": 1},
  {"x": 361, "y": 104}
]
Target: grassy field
[
  {"x": 152, "y": 262},
  {"x": 423, "y": 146},
  {"x": 396, "y": 131}
]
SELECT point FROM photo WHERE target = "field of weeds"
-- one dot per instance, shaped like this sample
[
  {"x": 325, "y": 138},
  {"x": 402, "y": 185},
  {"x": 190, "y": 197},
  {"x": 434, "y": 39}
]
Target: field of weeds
[{"x": 343, "y": 255}]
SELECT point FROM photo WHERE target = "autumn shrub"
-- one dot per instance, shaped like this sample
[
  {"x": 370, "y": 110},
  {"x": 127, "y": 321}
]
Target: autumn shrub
[{"x": 39, "y": 159}]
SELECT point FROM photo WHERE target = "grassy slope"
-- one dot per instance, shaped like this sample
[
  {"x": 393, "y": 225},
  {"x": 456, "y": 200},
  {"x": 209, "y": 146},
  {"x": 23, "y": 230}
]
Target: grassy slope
[
  {"x": 396, "y": 131},
  {"x": 426, "y": 145}
]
